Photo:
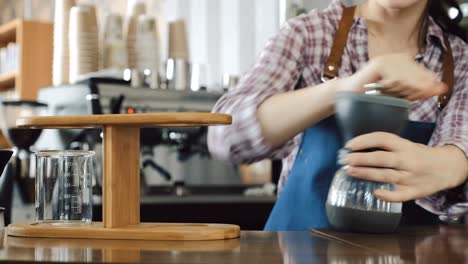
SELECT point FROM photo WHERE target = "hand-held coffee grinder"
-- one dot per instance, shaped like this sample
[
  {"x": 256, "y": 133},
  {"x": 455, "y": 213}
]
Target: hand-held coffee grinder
[{"x": 351, "y": 204}]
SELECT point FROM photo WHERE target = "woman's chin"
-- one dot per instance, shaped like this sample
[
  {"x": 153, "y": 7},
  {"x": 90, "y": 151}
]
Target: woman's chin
[{"x": 400, "y": 4}]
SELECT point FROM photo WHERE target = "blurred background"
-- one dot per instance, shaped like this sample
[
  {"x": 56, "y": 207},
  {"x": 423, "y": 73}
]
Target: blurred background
[
  {"x": 225, "y": 36},
  {"x": 68, "y": 57}
]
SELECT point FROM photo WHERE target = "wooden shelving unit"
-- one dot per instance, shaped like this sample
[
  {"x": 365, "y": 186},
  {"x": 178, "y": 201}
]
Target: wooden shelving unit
[
  {"x": 8, "y": 31},
  {"x": 35, "y": 40},
  {"x": 7, "y": 81}
]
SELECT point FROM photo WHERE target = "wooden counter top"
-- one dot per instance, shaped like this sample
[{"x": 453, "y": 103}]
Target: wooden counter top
[
  {"x": 411, "y": 245},
  {"x": 417, "y": 245}
]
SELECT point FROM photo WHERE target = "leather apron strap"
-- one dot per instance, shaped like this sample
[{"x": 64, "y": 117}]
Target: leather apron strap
[
  {"x": 341, "y": 37},
  {"x": 448, "y": 74},
  {"x": 339, "y": 44}
]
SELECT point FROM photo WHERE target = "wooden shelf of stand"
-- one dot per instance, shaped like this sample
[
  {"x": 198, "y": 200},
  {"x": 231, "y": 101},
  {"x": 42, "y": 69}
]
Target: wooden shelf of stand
[
  {"x": 121, "y": 177},
  {"x": 183, "y": 119}
]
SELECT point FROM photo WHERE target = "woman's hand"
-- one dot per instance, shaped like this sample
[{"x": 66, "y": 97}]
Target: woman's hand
[
  {"x": 416, "y": 170},
  {"x": 401, "y": 76}
]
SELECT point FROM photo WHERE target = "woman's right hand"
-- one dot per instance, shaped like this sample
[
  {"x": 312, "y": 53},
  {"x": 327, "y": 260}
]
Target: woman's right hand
[{"x": 401, "y": 76}]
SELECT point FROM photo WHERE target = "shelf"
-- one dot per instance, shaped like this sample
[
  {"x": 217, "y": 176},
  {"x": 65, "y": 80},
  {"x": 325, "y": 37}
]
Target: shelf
[
  {"x": 7, "y": 81},
  {"x": 142, "y": 231},
  {"x": 35, "y": 42},
  {"x": 123, "y": 245},
  {"x": 8, "y": 32},
  {"x": 126, "y": 120}
]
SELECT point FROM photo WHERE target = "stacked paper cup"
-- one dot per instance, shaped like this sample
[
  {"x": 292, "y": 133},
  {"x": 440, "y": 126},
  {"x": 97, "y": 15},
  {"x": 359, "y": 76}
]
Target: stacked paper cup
[
  {"x": 61, "y": 62},
  {"x": 113, "y": 44},
  {"x": 178, "y": 67},
  {"x": 147, "y": 43},
  {"x": 130, "y": 40},
  {"x": 135, "y": 9},
  {"x": 83, "y": 39},
  {"x": 178, "y": 40}
]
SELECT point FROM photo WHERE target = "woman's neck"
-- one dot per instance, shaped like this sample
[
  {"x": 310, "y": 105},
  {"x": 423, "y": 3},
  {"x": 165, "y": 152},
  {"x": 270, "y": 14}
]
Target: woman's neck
[{"x": 396, "y": 30}]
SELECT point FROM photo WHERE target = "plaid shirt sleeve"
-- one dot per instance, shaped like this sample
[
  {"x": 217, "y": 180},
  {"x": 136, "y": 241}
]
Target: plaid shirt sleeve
[
  {"x": 277, "y": 71},
  {"x": 452, "y": 129}
]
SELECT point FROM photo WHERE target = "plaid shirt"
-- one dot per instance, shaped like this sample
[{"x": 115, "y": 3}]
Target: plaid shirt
[{"x": 298, "y": 53}]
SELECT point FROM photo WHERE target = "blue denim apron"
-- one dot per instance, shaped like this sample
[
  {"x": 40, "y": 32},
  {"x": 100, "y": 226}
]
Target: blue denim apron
[{"x": 301, "y": 205}]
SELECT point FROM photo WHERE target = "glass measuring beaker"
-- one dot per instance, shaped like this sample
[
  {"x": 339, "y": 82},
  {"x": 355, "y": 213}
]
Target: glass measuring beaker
[{"x": 64, "y": 187}]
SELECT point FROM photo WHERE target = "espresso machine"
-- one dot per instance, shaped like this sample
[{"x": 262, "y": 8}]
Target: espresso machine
[
  {"x": 169, "y": 156},
  {"x": 20, "y": 172}
]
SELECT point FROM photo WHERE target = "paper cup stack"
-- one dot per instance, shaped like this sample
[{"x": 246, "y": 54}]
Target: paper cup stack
[
  {"x": 135, "y": 9},
  {"x": 147, "y": 43},
  {"x": 61, "y": 61},
  {"x": 178, "y": 67},
  {"x": 114, "y": 48},
  {"x": 130, "y": 40},
  {"x": 178, "y": 43},
  {"x": 83, "y": 39}
]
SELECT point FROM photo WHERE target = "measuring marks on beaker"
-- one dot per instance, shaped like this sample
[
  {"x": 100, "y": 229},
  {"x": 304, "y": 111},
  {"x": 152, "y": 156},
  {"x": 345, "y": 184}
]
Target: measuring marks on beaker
[
  {"x": 72, "y": 198},
  {"x": 75, "y": 190}
]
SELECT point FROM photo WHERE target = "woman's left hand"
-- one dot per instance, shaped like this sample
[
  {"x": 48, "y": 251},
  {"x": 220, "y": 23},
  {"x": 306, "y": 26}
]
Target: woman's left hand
[{"x": 416, "y": 170}]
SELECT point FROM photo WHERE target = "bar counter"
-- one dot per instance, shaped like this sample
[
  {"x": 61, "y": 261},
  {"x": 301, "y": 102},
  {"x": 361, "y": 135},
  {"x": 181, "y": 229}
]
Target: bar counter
[{"x": 435, "y": 244}]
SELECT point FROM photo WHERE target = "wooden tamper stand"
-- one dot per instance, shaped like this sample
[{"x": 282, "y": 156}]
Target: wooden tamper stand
[{"x": 121, "y": 188}]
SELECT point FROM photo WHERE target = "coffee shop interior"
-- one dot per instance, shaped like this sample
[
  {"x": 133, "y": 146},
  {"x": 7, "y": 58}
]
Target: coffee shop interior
[
  {"x": 79, "y": 60},
  {"x": 138, "y": 57}
]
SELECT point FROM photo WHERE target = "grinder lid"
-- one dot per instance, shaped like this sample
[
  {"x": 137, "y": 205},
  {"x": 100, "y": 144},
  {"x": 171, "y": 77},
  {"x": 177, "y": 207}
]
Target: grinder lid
[{"x": 374, "y": 99}]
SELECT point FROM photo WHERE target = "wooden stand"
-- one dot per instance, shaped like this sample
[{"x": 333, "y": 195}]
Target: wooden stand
[{"x": 121, "y": 188}]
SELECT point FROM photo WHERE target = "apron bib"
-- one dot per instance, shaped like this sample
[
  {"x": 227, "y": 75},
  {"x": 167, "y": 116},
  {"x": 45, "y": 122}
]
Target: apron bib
[{"x": 301, "y": 205}]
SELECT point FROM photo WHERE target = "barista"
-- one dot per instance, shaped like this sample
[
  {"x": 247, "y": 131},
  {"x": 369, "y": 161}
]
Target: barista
[{"x": 283, "y": 108}]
